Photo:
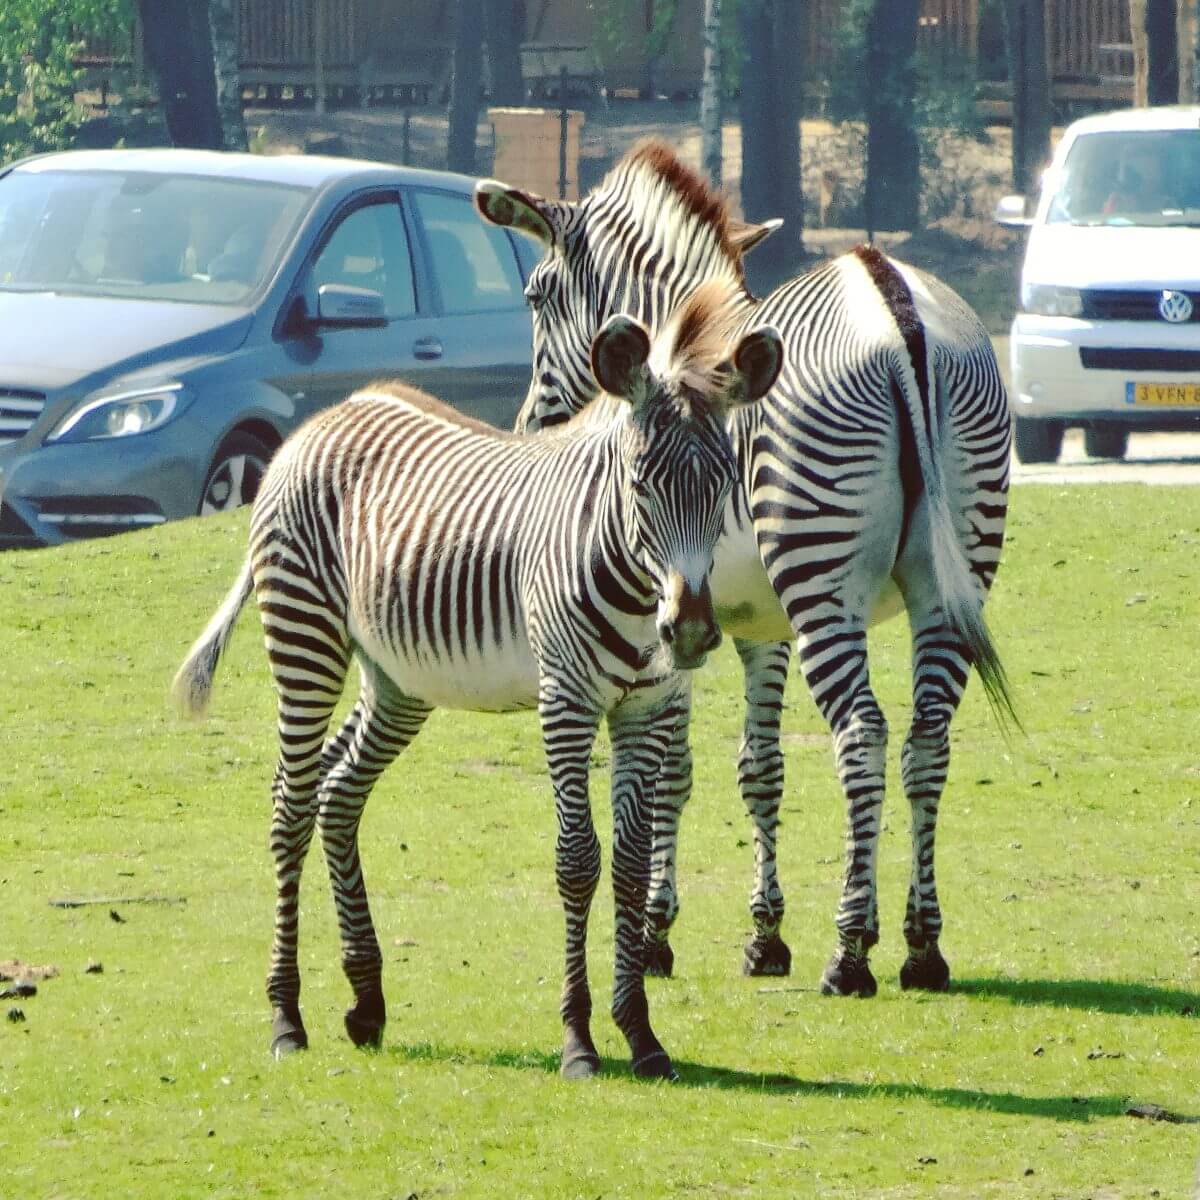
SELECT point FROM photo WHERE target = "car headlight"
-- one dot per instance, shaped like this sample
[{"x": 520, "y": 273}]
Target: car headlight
[
  {"x": 121, "y": 414},
  {"x": 1047, "y": 300}
]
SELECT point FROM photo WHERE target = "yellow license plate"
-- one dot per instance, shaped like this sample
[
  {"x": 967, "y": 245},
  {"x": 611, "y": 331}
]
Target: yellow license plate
[{"x": 1163, "y": 395}]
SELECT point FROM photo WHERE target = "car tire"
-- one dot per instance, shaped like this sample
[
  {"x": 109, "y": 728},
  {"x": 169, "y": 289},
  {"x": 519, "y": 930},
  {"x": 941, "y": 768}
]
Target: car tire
[
  {"x": 1106, "y": 442},
  {"x": 1038, "y": 441},
  {"x": 236, "y": 472}
]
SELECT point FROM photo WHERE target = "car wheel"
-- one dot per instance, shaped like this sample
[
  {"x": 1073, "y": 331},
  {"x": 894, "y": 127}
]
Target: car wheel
[
  {"x": 1106, "y": 443},
  {"x": 1038, "y": 441},
  {"x": 237, "y": 470}
]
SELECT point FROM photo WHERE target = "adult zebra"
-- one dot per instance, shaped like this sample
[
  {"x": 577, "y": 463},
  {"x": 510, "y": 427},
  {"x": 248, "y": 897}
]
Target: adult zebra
[
  {"x": 468, "y": 568},
  {"x": 879, "y": 462}
]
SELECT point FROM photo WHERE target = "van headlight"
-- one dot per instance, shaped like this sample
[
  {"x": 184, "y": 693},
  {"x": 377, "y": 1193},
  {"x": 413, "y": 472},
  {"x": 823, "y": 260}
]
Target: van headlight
[
  {"x": 1047, "y": 300},
  {"x": 121, "y": 414}
]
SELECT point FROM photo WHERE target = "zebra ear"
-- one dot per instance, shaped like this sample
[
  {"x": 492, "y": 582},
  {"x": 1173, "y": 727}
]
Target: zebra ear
[
  {"x": 619, "y": 353},
  {"x": 744, "y": 236},
  {"x": 503, "y": 205},
  {"x": 757, "y": 361}
]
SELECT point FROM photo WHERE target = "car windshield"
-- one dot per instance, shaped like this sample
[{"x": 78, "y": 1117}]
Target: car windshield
[
  {"x": 1130, "y": 177},
  {"x": 142, "y": 235}
]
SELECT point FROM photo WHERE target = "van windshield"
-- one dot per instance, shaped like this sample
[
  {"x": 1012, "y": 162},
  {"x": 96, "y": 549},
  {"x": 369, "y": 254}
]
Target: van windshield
[
  {"x": 1130, "y": 177},
  {"x": 142, "y": 235}
]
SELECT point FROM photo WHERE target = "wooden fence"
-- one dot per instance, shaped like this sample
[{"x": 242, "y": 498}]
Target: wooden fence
[{"x": 365, "y": 40}]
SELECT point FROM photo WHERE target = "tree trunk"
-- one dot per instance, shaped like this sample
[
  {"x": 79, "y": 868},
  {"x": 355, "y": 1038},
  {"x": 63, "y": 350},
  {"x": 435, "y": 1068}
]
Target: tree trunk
[
  {"x": 505, "y": 21},
  {"x": 772, "y": 78},
  {"x": 178, "y": 47},
  {"x": 1155, "y": 52},
  {"x": 1028, "y": 68},
  {"x": 893, "y": 184},
  {"x": 710, "y": 94},
  {"x": 223, "y": 30},
  {"x": 464, "y": 89}
]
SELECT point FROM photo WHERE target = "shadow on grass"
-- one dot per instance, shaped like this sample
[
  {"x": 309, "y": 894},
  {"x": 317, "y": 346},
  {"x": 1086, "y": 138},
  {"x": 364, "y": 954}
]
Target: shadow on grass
[
  {"x": 697, "y": 1075},
  {"x": 1095, "y": 995}
]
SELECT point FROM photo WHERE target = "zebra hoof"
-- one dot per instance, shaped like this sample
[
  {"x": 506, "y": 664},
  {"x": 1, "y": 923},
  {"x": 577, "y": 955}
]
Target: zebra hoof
[
  {"x": 365, "y": 1021},
  {"x": 926, "y": 971},
  {"x": 579, "y": 1057},
  {"x": 659, "y": 958},
  {"x": 767, "y": 956},
  {"x": 656, "y": 1065},
  {"x": 848, "y": 975},
  {"x": 287, "y": 1034}
]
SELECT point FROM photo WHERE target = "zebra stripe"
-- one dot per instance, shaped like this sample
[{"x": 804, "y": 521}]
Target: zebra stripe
[
  {"x": 468, "y": 568},
  {"x": 876, "y": 471}
]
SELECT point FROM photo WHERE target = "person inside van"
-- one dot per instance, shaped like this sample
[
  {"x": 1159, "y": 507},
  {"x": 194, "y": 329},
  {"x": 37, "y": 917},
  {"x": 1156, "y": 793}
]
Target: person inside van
[{"x": 1141, "y": 185}]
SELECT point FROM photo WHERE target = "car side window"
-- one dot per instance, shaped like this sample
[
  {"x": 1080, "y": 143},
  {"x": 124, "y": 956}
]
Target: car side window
[
  {"x": 473, "y": 263},
  {"x": 369, "y": 249}
]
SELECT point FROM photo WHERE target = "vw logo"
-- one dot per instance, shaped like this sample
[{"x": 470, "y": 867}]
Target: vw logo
[{"x": 1175, "y": 307}]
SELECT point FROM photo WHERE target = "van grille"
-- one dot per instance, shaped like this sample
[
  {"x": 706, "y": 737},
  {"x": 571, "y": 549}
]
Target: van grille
[
  {"x": 1120, "y": 358},
  {"x": 18, "y": 411},
  {"x": 1111, "y": 304}
]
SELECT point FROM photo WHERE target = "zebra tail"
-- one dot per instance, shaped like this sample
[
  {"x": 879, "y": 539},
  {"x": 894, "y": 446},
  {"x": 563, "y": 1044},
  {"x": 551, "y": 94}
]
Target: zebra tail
[
  {"x": 962, "y": 598},
  {"x": 192, "y": 686}
]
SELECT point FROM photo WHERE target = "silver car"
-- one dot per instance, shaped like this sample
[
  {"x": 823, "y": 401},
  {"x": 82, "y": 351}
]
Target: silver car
[{"x": 168, "y": 317}]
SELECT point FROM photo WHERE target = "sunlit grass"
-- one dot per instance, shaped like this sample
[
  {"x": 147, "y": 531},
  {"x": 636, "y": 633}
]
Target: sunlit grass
[{"x": 1068, "y": 869}]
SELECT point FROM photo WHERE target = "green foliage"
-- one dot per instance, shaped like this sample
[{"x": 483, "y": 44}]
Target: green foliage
[
  {"x": 38, "y": 41},
  {"x": 1067, "y": 873},
  {"x": 619, "y": 24},
  {"x": 945, "y": 86}
]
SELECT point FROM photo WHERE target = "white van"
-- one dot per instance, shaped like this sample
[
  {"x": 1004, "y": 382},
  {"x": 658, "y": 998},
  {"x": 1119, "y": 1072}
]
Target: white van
[{"x": 1108, "y": 336}]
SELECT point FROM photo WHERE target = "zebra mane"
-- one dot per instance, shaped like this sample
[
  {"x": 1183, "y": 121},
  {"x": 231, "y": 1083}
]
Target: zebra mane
[
  {"x": 675, "y": 210},
  {"x": 695, "y": 345}
]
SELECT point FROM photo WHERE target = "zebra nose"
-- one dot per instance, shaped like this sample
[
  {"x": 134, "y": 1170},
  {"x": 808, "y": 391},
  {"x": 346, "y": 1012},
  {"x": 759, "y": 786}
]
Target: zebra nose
[
  {"x": 666, "y": 631},
  {"x": 714, "y": 639}
]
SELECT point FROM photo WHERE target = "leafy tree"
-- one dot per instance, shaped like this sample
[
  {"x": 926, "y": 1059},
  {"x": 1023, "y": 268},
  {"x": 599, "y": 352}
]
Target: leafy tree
[
  {"x": 39, "y": 40},
  {"x": 645, "y": 24},
  {"x": 905, "y": 101}
]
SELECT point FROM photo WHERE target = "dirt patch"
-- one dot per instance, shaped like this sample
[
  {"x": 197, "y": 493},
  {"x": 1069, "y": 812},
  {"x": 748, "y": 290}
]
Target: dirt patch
[{"x": 13, "y": 968}]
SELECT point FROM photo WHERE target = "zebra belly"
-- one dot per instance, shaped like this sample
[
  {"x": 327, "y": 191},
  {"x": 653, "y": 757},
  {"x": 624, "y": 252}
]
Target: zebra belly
[
  {"x": 743, "y": 599},
  {"x": 746, "y": 604},
  {"x": 501, "y": 678}
]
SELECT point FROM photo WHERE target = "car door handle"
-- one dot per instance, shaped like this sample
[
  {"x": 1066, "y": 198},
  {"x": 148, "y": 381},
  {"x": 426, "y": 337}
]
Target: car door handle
[{"x": 427, "y": 347}]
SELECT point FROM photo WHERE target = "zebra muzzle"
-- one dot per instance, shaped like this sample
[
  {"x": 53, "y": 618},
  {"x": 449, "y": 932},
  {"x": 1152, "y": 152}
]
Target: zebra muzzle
[{"x": 688, "y": 627}]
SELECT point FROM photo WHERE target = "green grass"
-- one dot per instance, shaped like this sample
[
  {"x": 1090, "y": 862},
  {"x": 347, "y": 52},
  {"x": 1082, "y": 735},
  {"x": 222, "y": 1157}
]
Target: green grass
[{"x": 1068, "y": 873}]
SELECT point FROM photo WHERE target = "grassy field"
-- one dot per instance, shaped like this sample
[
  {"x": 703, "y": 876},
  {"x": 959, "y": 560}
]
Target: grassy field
[{"x": 1069, "y": 867}]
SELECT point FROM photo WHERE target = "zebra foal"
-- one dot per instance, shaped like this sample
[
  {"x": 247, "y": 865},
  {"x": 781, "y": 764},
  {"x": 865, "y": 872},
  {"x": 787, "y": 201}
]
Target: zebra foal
[{"x": 468, "y": 568}]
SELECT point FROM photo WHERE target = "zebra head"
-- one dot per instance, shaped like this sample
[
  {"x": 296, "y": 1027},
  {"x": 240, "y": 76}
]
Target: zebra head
[
  {"x": 638, "y": 244},
  {"x": 676, "y": 462}
]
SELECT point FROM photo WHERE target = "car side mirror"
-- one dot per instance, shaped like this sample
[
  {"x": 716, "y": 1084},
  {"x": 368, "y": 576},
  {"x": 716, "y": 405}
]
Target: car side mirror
[
  {"x": 1011, "y": 211},
  {"x": 345, "y": 306}
]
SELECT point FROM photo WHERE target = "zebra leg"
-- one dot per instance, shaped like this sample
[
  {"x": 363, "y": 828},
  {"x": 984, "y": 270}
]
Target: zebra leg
[
  {"x": 940, "y": 672},
  {"x": 670, "y": 795},
  {"x": 760, "y": 779},
  {"x": 568, "y": 733},
  {"x": 382, "y": 723},
  {"x": 306, "y": 704},
  {"x": 834, "y": 662},
  {"x": 640, "y": 738}
]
